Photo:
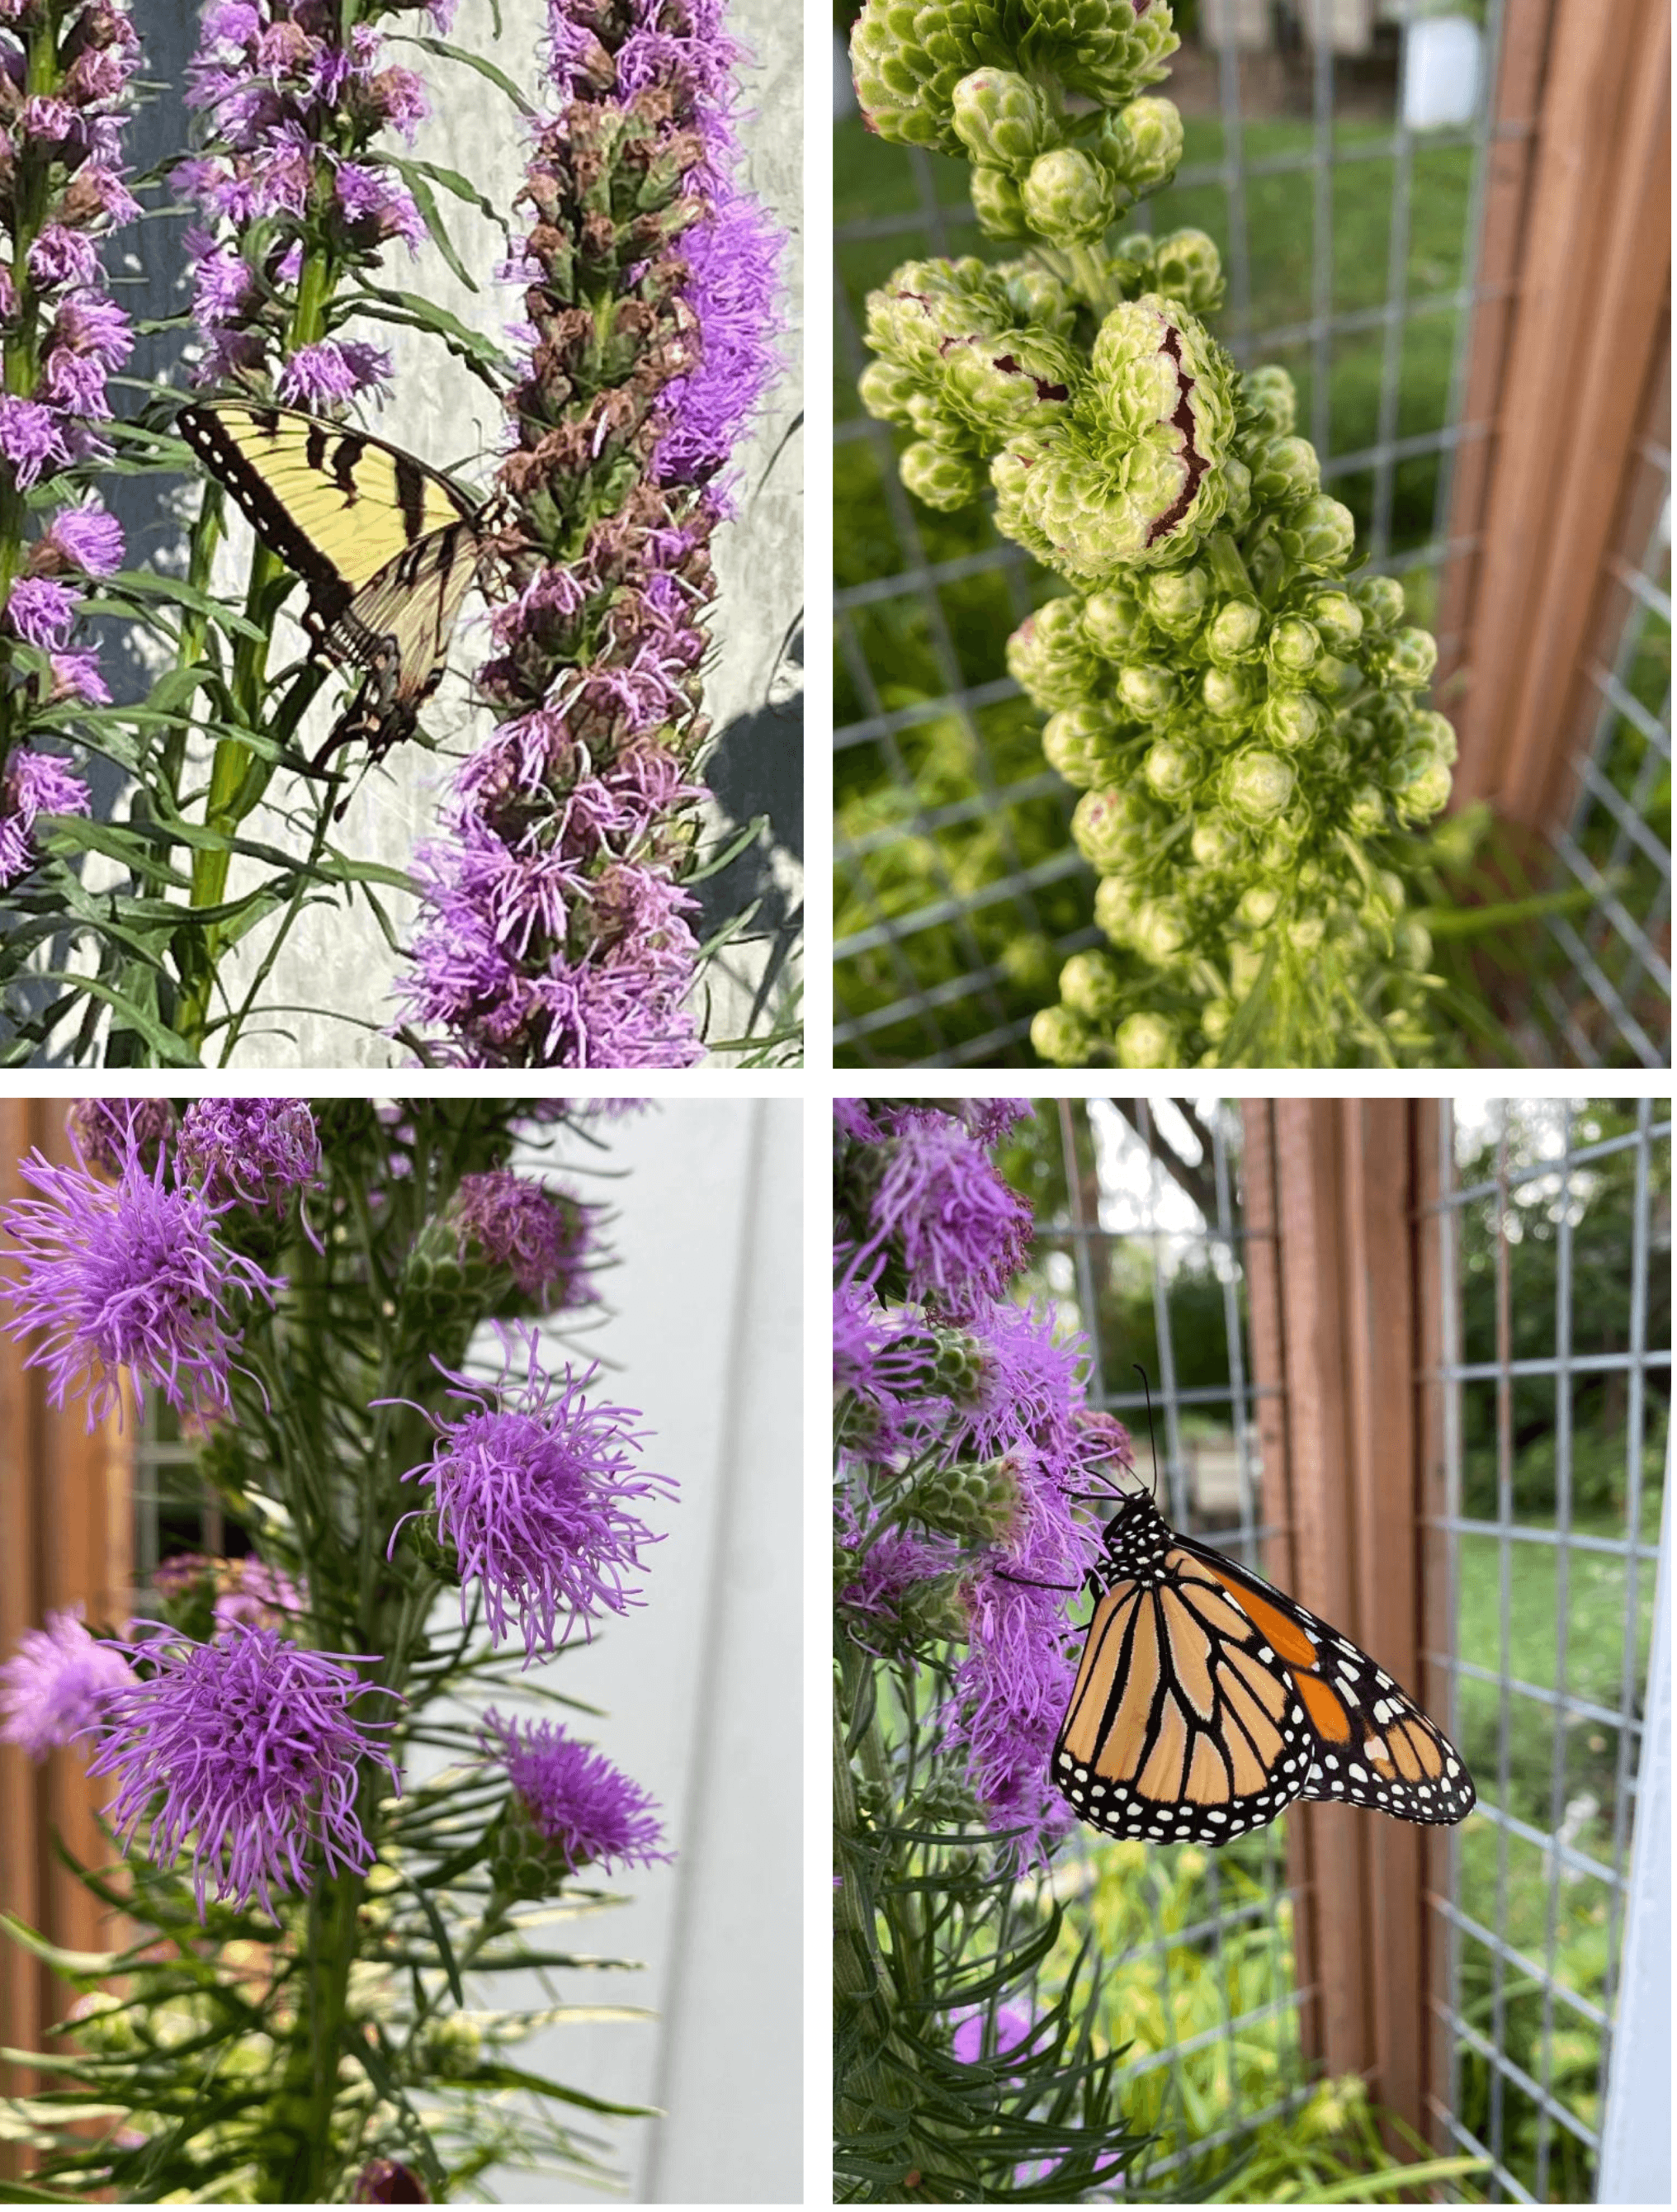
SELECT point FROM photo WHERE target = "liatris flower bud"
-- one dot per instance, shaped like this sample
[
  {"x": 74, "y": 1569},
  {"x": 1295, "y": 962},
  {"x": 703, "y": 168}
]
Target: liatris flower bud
[
  {"x": 1068, "y": 197},
  {"x": 506, "y": 1244},
  {"x": 976, "y": 1503},
  {"x": 258, "y": 1153},
  {"x": 570, "y": 1809},
  {"x": 1003, "y": 119},
  {"x": 100, "y": 1129}
]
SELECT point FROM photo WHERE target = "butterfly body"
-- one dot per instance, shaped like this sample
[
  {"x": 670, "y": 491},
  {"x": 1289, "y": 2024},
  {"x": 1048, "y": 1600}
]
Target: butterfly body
[
  {"x": 1206, "y": 1702},
  {"x": 388, "y": 548}
]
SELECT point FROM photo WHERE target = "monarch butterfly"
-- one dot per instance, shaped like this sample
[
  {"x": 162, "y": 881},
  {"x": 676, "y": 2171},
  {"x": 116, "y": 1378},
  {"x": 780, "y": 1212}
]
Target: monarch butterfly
[{"x": 1207, "y": 1702}]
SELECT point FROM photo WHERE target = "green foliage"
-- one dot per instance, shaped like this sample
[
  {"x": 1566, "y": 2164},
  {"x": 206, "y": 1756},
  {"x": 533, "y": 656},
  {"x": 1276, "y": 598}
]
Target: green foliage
[{"x": 250, "y": 2059}]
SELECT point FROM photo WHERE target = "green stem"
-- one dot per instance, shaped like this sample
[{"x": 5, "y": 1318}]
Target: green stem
[
  {"x": 310, "y": 2092},
  {"x": 236, "y": 781},
  {"x": 1484, "y": 920}
]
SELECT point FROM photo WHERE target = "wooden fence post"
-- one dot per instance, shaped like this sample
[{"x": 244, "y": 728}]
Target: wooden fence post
[
  {"x": 1570, "y": 373},
  {"x": 65, "y": 1536},
  {"x": 1334, "y": 1183}
]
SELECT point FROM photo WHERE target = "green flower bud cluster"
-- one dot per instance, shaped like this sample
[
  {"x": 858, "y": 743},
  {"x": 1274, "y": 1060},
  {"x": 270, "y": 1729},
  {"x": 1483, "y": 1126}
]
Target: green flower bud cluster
[
  {"x": 910, "y": 56},
  {"x": 975, "y": 1503},
  {"x": 1115, "y": 461},
  {"x": 1242, "y": 720},
  {"x": 1241, "y": 751}
]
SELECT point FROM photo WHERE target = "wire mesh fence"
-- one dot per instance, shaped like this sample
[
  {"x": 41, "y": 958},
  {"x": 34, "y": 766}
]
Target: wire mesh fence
[
  {"x": 1548, "y": 1265},
  {"x": 1351, "y": 242},
  {"x": 1553, "y": 1289}
]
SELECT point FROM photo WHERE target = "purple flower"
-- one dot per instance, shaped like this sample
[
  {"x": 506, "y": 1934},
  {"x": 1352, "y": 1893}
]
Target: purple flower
[
  {"x": 84, "y": 537},
  {"x": 30, "y": 439},
  {"x": 334, "y": 371},
  {"x": 89, "y": 323},
  {"x": 252, "y": 1744},
  {"x": 132, "y": 1276},
  {"x": 33, "y": 784},
  {"x": 732, "y": 256},
  {"x": 58, "y": 1683},
  {"x": 533, "y": 1488},
  {"x": 587, "y": 1808},
  {"x": 255, "y": 1152},
  {"x": 257, "y": 1594},
  {"x": 539, "y": 1236},
  {"x": 62, "y": 256},
  {"x": 962, "y": 1233},
  {"x": 41, "y": 612},
  {"x": 977, "y": 2037},
  {"x": 100, "y": 1129},
  {"x": 76, "y": 675},
  {"x": 371, "y": 199}
]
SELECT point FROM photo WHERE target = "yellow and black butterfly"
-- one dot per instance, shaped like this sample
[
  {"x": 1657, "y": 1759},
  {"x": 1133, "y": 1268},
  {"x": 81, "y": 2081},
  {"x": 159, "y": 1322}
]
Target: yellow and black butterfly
[
  {"x": 1207, "y": 1702},
  {"x": 387, "y": 547}
]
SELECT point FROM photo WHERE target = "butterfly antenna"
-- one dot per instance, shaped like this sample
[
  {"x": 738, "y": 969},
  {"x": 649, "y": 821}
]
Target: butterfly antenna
[{"x": 1152, "y": 1441}]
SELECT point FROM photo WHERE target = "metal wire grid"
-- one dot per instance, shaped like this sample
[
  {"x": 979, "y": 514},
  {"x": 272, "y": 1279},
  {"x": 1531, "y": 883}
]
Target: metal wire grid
[
  {"x": 1612, "y": 962},
  {"x": 1225, "y": 1239},
  {"x": 912, "y": 1019},
  {"x": 155, "y": 1455},
  {"x": 1637, "y": 1363}
]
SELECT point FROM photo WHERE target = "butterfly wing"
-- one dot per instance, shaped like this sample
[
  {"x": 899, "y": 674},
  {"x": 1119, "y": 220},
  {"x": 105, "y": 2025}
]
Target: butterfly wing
[
  {"x": 1206, "y": 1702},
  {"x": 1178, "y": 1728},
  {"x": 387, "y": 548}
]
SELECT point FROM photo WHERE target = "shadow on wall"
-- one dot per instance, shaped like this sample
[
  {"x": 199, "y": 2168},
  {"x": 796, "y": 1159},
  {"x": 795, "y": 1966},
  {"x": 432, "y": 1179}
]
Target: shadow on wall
[{"x": 756, "y": 768}]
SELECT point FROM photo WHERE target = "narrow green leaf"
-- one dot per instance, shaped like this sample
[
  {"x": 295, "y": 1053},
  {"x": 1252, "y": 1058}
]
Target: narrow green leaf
[
  {"x": 426, "y": 200},
  {"x": 484, "y": 69}
]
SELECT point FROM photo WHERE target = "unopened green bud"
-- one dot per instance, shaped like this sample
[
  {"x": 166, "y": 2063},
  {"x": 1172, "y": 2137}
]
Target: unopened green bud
[
  {"x": 1406, "y": 659},
  {"x": 1110, "y": 621},
  {"x": 1000, "y": 386},
  {"x": 887, "y": 391},
  {"x": 1146, "y": 1040},
  {"x": 1148, "y": 690},
  {"x": 998, "y": 204},
  {"x": 1141, "y": 145},
  {"x": 1177, "y": 599},
  {"x": 1339, "y": 618},
  {"x": 926, "y": 303},
  {"x": 1158, "y": 931},
  {"x": 1381, "y": 599},
  {"x": 1306, "y": 932},
  {"x": 1336, "y": 681},
  {"x": 1215, "y": 842},
  {"x": 1237, "y": 492},
  {"x": 1291, "y": 718},
  {"x": 1257, "y": 906},
  {"x": 1285, "y": 470},
  {"x": 1060, "y": 1037},
  {"x": 1092, "y": 985},
  {"x": 1218, "y": 1018},
  {"x": 1278, "y": 855},
  {"x": 1245, "y": 966},
  {"x": 1227, "y": 693},
  {"x": 1366, "y": 817},
  {"x": 1037, "y": 297},
  {"x": 1104, "y": 828},
  {"x": 1257, "y": 785},
  {"x": 1432, "y": 732},
  {"x": 1171, "y": 769},
  {"x": 1187, "y": 267},
  {"x": 1267, "y": 397},
  {"x": 1116, "y": 907},
  {"x": 1002, "y": 119},
  {"x": 940, "y": 477},
  {"x": 1420, "y": 787},
  {"x": 1413, "y": 946},
  {"x": 1078, "y": 743},
  {"x": 1047, "y": 659},
  {"x": 1068, "y": 197},
  {"x": 977, "y": 1504},
  {"x": 1321, "y": 534},
  {"x": 1293, "y": 648},
  {"x": 1236, "y": 632}
]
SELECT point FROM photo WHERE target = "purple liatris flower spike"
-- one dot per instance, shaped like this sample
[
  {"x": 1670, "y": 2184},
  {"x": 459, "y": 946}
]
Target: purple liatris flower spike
[
  {"x": 256, "y": 1152},
  {"x": 582, "y": 1805},
  {"x": 58, "y": 1683},
  {"x": 33, "y": 784},
  {"x": 962, "y": 1233},
  {"x": 534, "y": 1490},
  {"x": 132, "y": 1276},
  {"x": 246, "y": 1750},
  {"x": 539, "y": 1236},
  {"x": 554, "y": 929}
]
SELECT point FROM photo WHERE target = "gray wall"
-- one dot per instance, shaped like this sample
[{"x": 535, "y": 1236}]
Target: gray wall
[{"x": 340, "y": 959}]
